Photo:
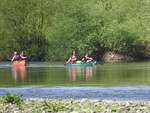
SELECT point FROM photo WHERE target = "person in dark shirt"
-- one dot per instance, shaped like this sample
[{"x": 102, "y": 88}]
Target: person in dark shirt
[
  {"x": 16, "y": 57},
  {"x": 87, "y": 58}
]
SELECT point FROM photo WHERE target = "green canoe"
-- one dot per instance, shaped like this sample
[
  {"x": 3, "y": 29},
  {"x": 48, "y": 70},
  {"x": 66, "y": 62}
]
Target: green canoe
[{"x": 89, "y": 64}]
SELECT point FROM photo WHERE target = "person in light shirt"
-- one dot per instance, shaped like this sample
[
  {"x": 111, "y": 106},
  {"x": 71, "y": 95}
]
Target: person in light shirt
[{"x": 73, "y": 58}]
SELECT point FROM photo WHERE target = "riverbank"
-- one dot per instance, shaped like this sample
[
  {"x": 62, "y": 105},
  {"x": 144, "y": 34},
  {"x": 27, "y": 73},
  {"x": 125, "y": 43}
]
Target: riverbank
[{"x": 75, "y": 106}]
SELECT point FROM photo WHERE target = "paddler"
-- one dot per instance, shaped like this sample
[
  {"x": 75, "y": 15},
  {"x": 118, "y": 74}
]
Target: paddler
[
  {"x": 16, "y": 57},
  {"x": 23, "y": 57},
  {"x": 73, "y": 58},
  {"x": 87, "y": 58}
]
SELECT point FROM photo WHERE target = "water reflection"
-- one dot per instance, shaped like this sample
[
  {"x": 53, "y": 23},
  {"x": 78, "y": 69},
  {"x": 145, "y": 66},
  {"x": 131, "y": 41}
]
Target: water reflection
[
  {"x": 75, "y": 72},
  {"x": 88, "y": 72},
  {"x": 72, "y": 73},
  {"x": 19, "y": 72},
  {"x": 100, "y": 75}
]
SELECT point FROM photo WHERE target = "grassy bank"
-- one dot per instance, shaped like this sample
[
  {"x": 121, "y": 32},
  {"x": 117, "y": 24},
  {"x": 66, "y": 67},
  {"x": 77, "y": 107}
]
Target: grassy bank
[{"x": 11, "y": 103}]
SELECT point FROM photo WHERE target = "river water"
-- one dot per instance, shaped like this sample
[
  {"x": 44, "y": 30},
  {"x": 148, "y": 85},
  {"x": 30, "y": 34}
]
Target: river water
[{"x": 120, "y": 81}]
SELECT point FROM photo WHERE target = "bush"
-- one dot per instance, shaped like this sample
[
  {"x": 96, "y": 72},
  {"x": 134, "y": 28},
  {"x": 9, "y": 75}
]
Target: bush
[
  {"x": 54, "y": 106},
  {"x": 12, "y": 98}
]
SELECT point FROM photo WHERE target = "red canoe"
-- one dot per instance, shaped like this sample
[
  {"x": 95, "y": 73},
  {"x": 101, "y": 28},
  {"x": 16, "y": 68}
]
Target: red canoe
[{"x": 19, "y": 63}]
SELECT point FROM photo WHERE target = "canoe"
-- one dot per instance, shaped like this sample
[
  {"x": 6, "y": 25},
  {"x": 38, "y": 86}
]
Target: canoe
[
  {"x": 19, "y": 63},
  {"x": 89, "y": 64}
]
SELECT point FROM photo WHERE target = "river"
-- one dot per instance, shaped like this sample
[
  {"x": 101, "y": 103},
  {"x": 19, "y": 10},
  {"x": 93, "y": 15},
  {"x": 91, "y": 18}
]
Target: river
[{"x": 120, "y": 81}]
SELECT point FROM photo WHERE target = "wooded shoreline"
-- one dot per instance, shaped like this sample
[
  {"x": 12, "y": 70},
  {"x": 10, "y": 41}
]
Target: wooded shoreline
[{"x": 48, "y": 30}]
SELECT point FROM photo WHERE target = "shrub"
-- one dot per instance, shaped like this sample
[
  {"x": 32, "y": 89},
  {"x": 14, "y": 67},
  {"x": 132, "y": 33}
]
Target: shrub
[
  {"x": 12, "y": 98},
  {"x": 54, "y": 106}
]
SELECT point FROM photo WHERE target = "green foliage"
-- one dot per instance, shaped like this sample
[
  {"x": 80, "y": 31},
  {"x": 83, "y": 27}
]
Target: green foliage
[
  {"x": 54, "y": 106},
  {"x": 12, "y": 98},
  {"x": 51, "y": 29}
]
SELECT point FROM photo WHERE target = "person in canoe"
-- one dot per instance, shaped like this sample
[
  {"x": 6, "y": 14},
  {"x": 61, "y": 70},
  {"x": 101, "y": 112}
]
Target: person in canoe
[
  {"x": 23, "y": 57},
  {"x": 87, "y": 58},
  {"x": 19, "y": 65},
  {"x": 16, "y": 57},
  {"x": 72, "y": 59}
]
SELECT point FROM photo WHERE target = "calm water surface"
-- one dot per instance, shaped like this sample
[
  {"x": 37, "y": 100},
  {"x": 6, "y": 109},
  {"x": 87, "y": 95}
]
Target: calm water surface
[{"x": 56, "y": 74}]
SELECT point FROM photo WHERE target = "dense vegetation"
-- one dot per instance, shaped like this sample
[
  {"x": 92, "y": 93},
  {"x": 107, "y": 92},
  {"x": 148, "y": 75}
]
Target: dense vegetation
[{"x": 51, "y": 29}]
